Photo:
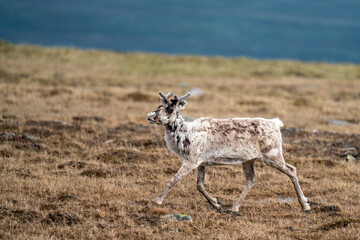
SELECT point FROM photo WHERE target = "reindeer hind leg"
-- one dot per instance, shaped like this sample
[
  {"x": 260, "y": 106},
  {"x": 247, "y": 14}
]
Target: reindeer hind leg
[{"x": 278, "y": 162}]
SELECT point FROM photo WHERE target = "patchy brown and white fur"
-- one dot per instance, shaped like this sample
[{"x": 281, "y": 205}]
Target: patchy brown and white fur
[{"x": 209, "y": 142}]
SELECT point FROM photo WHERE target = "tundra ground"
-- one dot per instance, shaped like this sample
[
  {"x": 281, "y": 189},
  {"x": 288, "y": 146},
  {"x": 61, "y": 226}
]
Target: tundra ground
[{"x": 79, "y": 160}]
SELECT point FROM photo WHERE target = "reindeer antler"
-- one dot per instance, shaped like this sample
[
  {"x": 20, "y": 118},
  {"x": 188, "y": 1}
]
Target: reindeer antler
[
  {"x": 165, "y": 97},
  {"x": 185, "y": 96},
  {"x": 177, "y": 99}
]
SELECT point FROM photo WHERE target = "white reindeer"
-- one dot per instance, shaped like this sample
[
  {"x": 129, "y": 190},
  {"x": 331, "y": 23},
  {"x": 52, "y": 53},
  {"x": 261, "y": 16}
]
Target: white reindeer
[{"x": 208, "y": 142}]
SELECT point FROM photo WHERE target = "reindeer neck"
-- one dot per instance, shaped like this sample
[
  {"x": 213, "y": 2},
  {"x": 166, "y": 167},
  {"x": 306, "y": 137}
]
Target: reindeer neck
[
  {"x": 175, "y": 134},
  {"x": 176, "y": 126}
]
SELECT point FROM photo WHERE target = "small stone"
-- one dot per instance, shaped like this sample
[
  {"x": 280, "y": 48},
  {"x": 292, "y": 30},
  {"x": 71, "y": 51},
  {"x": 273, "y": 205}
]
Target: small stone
[
  {"x": 178, "y": 217},
  {"x": 28, "y": 136},
  {"x": 285, "y": 199},
  {"x": 338, "y": 122},
  {"x": 196, "y": 92},
  {"x": 7, "y": 135},
  {"x": 350, "y": 158}
]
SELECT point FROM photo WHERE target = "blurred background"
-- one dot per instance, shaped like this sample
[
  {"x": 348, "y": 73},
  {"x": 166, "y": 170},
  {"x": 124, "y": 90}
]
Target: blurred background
[{"x": 303, "y": 30}]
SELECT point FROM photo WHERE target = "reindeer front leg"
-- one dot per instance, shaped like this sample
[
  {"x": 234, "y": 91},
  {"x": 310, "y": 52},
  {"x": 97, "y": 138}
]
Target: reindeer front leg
[{"x": 185, "y": 169}]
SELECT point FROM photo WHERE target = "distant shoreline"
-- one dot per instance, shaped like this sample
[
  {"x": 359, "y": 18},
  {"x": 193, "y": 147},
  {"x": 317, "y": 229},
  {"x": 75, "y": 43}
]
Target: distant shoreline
[{"x": 3, "y": 41}]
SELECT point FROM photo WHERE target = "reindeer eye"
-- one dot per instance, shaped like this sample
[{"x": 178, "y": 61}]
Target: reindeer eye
[{"x": 170, "y": 110}]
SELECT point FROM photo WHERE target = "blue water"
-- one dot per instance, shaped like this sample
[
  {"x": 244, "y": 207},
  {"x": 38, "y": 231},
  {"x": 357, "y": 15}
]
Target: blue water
[{"x": 307, "y": 30}]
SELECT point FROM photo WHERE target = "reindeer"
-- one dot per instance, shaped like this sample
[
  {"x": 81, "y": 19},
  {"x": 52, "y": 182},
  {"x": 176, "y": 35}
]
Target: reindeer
[{"x": 210, "y": 142}]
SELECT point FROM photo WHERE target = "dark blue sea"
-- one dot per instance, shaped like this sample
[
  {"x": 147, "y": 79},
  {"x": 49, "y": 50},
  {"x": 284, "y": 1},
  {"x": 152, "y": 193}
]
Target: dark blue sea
[{"x": 307, "y": 30}]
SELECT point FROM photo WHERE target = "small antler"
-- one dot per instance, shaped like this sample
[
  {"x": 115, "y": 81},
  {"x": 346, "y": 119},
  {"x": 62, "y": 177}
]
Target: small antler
[
  {"x": 165, "y": 97},
  {"x": 185, "y": 96},
  {"x": 177, "y": 99}
]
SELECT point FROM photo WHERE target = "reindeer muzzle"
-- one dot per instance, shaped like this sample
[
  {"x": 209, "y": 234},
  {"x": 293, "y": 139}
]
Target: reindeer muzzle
[{"x": 151, "y": 117}]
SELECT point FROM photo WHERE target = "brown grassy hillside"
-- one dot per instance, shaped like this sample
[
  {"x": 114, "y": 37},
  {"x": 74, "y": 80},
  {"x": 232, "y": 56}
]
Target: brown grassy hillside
[{"x": 79, "y": 160}]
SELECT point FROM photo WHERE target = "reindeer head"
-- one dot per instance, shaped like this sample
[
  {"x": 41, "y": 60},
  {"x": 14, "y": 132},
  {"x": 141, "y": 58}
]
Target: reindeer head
[{"x": 168, "y": 111}]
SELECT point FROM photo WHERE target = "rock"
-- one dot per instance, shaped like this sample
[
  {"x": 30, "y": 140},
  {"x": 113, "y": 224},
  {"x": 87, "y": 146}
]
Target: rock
[
  {"x": 285, "y": 199},
  {"x": 178, "y": 217},
  {"x": 29, "y": 137},
  {"x": 350, "y": 158},
  {"x": 196, "y": 92},
  {"x": 7, "y": 135},
  {"x": 338, "y": 122}
]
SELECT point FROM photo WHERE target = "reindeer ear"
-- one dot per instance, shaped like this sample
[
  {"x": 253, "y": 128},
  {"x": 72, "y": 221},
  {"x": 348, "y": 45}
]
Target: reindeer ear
[{"x": 181, "y": 105}]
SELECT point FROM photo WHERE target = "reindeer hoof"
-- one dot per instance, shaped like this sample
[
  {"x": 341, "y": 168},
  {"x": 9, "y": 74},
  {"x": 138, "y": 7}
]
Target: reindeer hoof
[
  {"x": 217, "y": 207},
  {"x": 235, "y": 213},
  {"x": 306, "y": 208},
  {"x": 157, "y": 201}
]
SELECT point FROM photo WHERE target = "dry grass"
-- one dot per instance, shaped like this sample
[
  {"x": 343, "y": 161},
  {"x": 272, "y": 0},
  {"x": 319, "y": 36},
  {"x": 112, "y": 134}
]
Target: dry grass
[{"x": 78, "y": 160}]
